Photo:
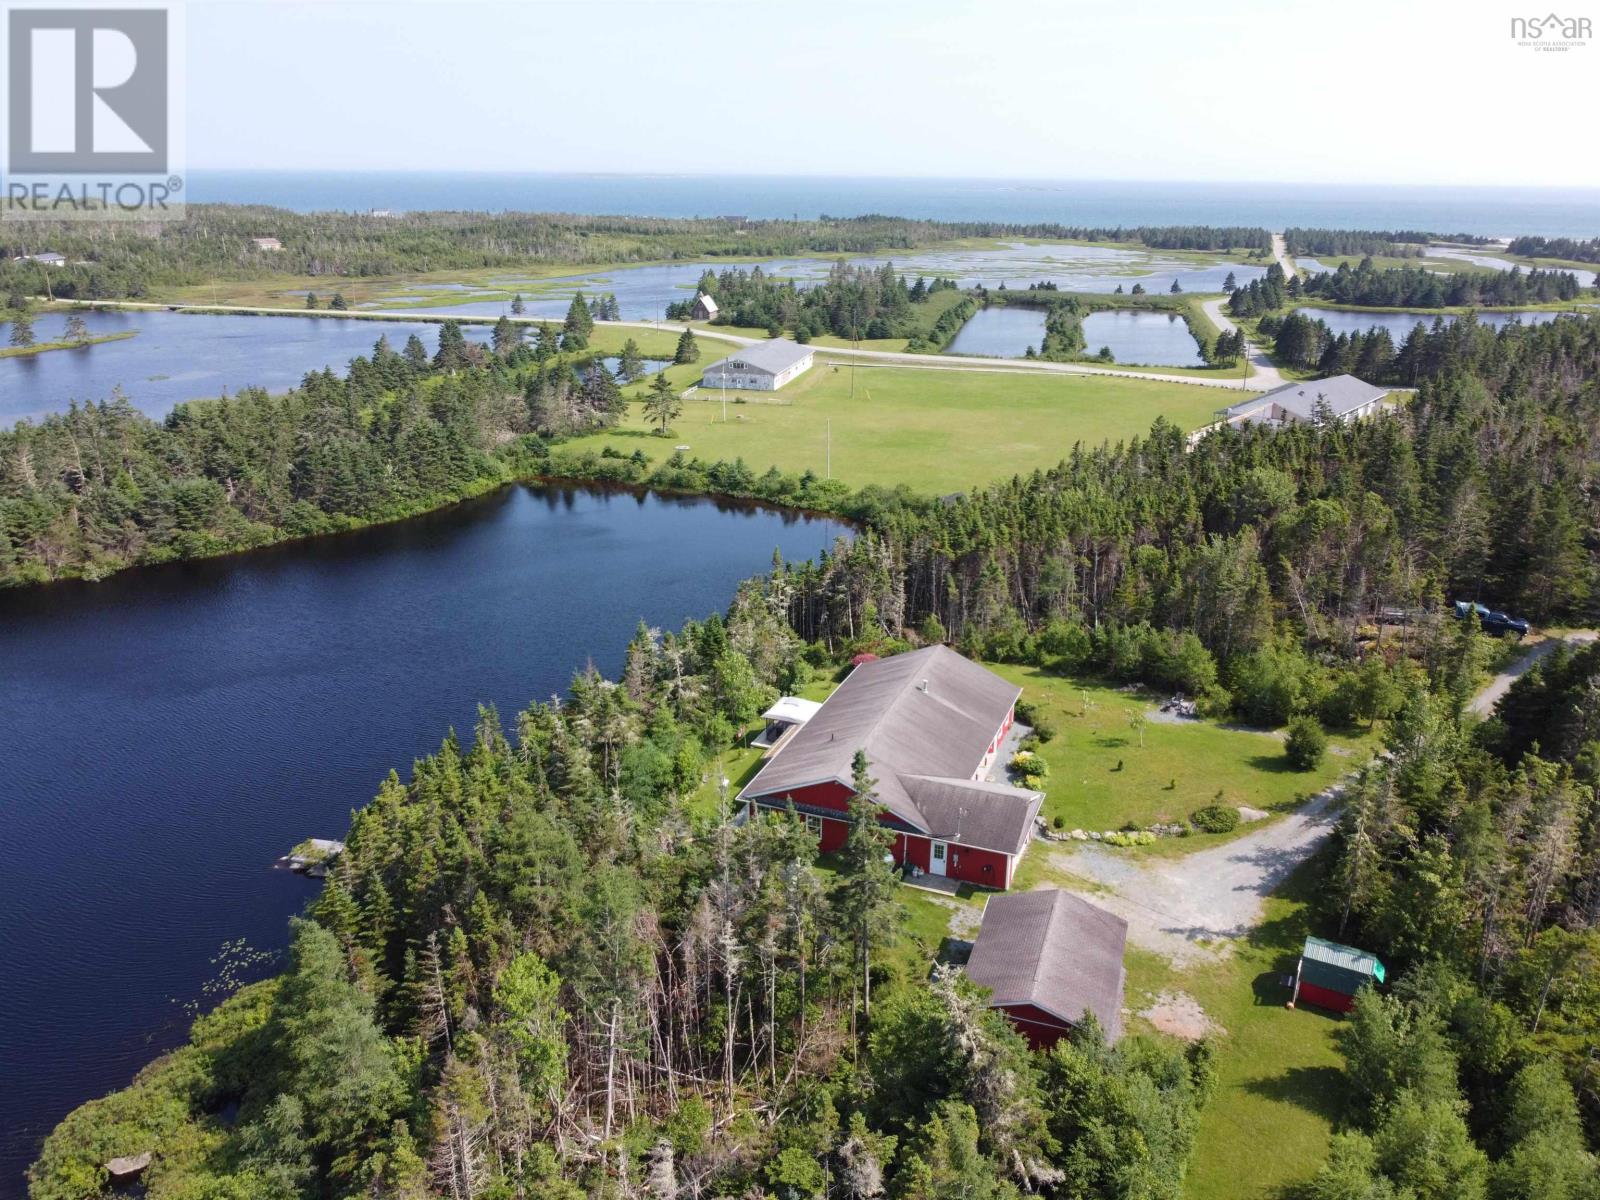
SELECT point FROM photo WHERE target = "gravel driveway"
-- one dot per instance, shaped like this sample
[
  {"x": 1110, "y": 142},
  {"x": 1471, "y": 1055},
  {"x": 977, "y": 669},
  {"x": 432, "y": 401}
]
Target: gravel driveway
[{"x": 1188, "y": 909}]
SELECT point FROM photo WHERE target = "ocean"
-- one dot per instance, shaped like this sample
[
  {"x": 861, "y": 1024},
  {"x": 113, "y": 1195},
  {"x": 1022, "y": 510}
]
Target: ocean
[{"x": 1487, "y": 211}]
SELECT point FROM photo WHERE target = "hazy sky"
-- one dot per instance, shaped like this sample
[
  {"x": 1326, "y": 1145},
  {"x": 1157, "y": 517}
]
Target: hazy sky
[{"x": 1358, "y": 91}]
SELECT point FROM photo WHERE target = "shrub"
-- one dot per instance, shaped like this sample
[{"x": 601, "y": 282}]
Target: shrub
[
  {"x": 1215, "y": 818},
  {"x": 1306, "y": 743},
  {"x": 1026, "y": 762}
]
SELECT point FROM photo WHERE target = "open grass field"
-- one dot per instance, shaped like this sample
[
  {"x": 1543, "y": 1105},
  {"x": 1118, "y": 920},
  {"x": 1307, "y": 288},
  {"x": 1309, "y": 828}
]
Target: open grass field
[
  {"x": 1100, "y": 776},
  {"x": 937, "y": 431}
]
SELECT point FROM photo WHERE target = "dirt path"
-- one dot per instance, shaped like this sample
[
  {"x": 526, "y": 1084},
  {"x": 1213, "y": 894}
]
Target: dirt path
[
  {"x": 1483, "y": 703},
  {"x": 1190, "y": 909},
  {"x": 1280, "y": 251}
]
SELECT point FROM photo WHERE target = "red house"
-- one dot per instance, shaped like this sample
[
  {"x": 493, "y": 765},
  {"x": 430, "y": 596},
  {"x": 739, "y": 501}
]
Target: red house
[
  {"x": 1047, "y": 958},
  {"x": 931, "y": 724}
]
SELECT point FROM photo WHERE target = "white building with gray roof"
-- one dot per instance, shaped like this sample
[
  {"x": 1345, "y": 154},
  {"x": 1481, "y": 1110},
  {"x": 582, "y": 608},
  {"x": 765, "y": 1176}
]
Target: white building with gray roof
[
  {"x": 762, "y": 367},
  {"x": 1339, "y": 398}
]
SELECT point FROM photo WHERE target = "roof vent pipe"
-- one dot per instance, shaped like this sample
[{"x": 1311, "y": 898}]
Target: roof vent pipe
[{"x": 923, "y": 687}]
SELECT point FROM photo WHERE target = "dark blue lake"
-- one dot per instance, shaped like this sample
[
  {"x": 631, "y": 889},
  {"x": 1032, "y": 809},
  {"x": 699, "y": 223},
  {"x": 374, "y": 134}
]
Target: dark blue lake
[
  {"x": 168, "y": 733},
  {"x": 188, "y": 356}
]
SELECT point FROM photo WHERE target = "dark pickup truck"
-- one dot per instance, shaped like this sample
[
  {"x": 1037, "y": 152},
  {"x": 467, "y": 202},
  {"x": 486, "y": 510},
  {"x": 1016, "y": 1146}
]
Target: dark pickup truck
[{"x": 1495, "y": 624}]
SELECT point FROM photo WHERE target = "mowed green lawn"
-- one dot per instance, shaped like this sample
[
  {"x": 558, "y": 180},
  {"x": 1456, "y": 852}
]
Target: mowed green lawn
[
  {"x": 1100, "y": 776},
  {"x": 937, "y": 431}
]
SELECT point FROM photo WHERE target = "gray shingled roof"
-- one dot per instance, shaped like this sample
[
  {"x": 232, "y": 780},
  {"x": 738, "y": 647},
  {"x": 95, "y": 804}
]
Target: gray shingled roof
[
  {"x": 773, "y": 356},
  {"x": 1343, "y": 394},
  {"x": 1055, "y": 952},
  {"x": 925, "y": 720},
  {"x": 967, "y": 812}
]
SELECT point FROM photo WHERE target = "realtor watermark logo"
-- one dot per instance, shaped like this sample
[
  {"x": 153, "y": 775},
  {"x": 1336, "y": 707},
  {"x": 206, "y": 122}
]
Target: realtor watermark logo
[
  {"x": 1551, "y": 33},
  {"x": 93, "y": 122}
]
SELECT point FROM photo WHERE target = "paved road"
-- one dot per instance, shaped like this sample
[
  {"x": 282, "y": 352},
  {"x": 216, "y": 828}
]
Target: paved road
[
  {"x": 1189, "y": 909},
  {"x": 1263, "y": 375}
]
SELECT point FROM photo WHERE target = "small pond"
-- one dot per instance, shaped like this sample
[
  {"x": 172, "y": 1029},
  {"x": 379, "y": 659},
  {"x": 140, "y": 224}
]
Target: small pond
[
  {"x": 1001, "y": 331},
  {"x": 1154, "y": 339}
]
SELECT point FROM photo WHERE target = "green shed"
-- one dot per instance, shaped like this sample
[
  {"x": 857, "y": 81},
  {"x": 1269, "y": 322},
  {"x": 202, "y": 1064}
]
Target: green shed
[{"x": 1329, "y": 975}]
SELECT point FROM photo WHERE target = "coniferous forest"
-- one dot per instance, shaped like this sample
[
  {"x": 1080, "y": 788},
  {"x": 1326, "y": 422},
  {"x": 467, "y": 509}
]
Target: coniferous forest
[{"x": 546, "y": 966}]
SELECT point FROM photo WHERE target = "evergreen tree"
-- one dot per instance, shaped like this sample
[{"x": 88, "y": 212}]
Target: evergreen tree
[
  {"x": 868, "y": 909},
  {"x": 578, "y": 326},
  {"x": 688, "y": 350},
  {"x": 507, "y": 337},
  {"x": 338, "y": 303},
  {"x": 311, "y": 300},
  {"x": 22, "y": 329},
  {"x": 415, "y": 353},
  {"x": 630, "y": 365},
  {"x": 77, "y": 330},
  {"x": 452, "y": 352},
  {"x": 518, "y": 307},
  {"x": 661, "y": 403}
]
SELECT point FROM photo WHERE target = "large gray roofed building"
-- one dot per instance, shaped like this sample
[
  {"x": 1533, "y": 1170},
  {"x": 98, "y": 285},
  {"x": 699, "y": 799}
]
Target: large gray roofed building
[
  {"x": 926, "y": 720},
  {"x": 1055, "y": 952},
  {"x": 1345, "y": 397},
  {"x": 775, "y": 356}
]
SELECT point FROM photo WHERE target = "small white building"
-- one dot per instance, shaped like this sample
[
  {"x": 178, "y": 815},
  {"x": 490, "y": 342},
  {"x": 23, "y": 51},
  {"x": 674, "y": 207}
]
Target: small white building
[
  {"x": 46, "y": 258},
  {"x": 1340, "y": 397},
  {"x": 704, "y": 308},
  {"x": 267, "y": 243},
  {"x": 763, "y": 367},
  {"x": 787, "y": 714}
]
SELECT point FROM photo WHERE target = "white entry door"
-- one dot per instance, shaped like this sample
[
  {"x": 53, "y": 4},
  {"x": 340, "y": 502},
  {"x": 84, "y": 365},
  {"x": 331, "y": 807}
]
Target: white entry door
[{"x": 936, "y": 858}]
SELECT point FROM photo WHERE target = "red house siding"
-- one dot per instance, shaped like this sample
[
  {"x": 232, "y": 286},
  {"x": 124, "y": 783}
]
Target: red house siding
[
  {"x": 1040, "y": 1028},
  {"x": 1326, "y": 998},
  {"x": 831, "y": 794},
  {"x": 971, "y": 865},
  {"x": 910, "y": 848},
  {"x": 833, "y": 836}
]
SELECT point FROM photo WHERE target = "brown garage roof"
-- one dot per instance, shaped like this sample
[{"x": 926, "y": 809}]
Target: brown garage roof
[
  {"x": 925, "y": 720},
  {"x": 1055, "y": 952}
]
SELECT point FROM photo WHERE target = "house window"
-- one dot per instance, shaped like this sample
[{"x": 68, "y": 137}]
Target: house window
[
  {"x": 938, "y": 851},
  {"x": 814, "y": 826}
]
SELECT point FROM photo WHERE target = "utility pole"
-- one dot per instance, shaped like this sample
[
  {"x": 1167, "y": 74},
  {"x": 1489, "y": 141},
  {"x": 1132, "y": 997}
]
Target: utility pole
[{"x": 828, "y": 453}]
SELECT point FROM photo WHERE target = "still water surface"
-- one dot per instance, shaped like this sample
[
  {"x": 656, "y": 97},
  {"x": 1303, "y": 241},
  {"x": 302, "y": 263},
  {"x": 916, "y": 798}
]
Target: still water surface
[
  {"x": 1400, "y": 324},
  {"x": 168, "y": 733},
  {"x": 188, "y": 356},
  {"x": 1154, "y": 339}
]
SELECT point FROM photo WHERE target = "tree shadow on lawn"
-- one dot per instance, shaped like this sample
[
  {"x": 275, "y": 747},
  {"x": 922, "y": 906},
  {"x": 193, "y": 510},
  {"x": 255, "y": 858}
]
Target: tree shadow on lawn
[
  {"x": 1318, "y": 1090},
  {"x": 1272, "y": 764},
  {"x": 1110, "y": 741}
]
